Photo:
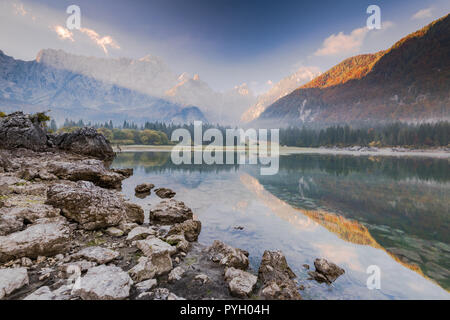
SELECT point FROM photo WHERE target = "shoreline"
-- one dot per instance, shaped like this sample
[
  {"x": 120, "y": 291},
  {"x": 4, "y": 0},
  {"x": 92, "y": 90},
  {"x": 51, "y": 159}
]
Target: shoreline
[{"x": 390, "y": 152}]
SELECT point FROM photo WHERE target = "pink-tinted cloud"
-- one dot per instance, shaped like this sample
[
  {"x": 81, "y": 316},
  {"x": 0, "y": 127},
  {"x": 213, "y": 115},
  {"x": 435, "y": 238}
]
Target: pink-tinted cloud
[
  {"x": 103, "y": 42},
  {"x": 63, "y": 33}
]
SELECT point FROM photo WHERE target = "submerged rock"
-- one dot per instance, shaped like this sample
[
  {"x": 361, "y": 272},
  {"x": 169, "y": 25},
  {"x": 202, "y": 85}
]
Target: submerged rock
[
  {"x": 165, "y": 193},
  {"x": 228, "y": 256},
  {"x": 104, "y": 283},
  {"x": 276, "y": 277},
  {"x": 42, "y": 239},
  {"x": 170, "y": 212},
  {"x": 12, "y": 279},
  {"x": 144, "y": 188},
  {"x": 240, "y": 283},
  {"x": 91, "y": 206},
  {"x": 326, "y": 271},
  {"x": 85, "y": 141}
]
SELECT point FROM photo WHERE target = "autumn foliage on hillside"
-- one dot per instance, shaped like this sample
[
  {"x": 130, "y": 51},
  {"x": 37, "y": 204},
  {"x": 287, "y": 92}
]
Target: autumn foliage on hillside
[{"x": 408, "y": 82}]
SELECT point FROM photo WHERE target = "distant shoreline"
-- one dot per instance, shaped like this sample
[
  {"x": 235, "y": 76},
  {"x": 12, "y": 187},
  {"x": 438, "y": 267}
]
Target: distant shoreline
[{"x": 429, "y": 153}]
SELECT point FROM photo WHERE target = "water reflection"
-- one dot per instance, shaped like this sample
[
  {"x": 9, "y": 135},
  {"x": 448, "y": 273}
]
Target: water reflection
[{"x": 337, "y": 207}]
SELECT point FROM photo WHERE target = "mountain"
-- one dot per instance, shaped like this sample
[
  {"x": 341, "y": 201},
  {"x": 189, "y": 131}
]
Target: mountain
[
  {"x": 279, "y": 90},
  {"x": 151, "y": 76},
  {"x": 89, "y": 88},
  {"x": 408, "y": 82},
  {"x": 225, "y": 107}
]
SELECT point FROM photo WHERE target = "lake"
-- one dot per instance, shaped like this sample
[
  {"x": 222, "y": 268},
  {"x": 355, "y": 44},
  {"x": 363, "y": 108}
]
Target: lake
[{"x": 356, "y": 211}]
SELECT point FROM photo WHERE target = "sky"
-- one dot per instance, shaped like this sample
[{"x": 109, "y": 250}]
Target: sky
[{"x": 226, "y": 42}]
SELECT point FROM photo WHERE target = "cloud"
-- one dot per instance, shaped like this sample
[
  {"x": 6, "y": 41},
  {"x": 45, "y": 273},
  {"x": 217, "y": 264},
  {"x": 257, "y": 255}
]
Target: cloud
[
  {"x": 19, "y": 9},
  {"x": 102, "y": 42},
  {"x": 63, "y": 33},
  {"x": 422, "y": 14},
  {"x": 342, "y": 43}
]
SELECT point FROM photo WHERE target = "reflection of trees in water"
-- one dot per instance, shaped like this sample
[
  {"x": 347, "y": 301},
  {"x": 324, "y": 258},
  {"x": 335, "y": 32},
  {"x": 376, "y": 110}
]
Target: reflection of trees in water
[
  {"x": 160, "y": 162},
  {"x": 406, "y": 211},
  {"x": 428, "y": 169},
  {"x": 190, "y": 176}
]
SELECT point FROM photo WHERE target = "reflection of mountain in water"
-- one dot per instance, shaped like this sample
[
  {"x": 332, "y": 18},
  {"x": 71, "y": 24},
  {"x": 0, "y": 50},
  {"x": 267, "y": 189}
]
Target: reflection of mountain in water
[
  {"x": 160, "y": 163},
  {"x": 348, "y": 230},
  {"x": 402, "y": 202}
]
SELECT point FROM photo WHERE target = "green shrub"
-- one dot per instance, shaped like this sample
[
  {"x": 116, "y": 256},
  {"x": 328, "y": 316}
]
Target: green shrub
[
  {"x": 40, "y": 117},
  {"x": 2, "y": 114}
]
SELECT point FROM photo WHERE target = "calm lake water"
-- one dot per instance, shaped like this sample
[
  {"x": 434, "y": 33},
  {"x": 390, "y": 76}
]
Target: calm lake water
[{"x": 355, "y": 211}]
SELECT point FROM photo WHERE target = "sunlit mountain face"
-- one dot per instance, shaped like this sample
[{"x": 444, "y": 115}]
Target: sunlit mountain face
[{"x": 407, "y": 82}]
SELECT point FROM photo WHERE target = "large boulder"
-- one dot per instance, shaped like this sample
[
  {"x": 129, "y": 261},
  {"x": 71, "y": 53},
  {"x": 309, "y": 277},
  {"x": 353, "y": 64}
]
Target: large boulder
[
  {"x": 12, "y": 279},
  {"x": 170, "y": 212},
  {"x": 104, "y": 283},
  {"x": 19, "y": 130},
  {"x": 277, "y": 277},
  {"x": 42, "y": 239},
  {"x": 85, "y": 141},
  {"x": 87, "y": 170},
  {"x": 228, "y": 256},
  {"x": 92, "y": 207}
]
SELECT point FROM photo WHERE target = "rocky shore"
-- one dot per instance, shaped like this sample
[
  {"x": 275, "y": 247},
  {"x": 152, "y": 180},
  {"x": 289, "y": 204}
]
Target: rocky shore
[{"x": 67, "y": 232}]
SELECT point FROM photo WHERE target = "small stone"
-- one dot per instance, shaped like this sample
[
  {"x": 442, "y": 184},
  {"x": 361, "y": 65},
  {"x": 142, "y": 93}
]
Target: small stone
[
  {"x": 203, "y": 278},
  {"x": 40, "y": 259},
  {"x": 327, "y": 269},
  {"x": 12, "y": 279},
  {"x": 140, "y": 233},
  {"x": 144, "y": 188},
  {"x": 176, "y": 274},
  {"x": 146, "y": 285},
  {"x": 43, "y": 293},
  {"x": 165, "y": 193},
  {"x": 104, "y": 283},
  {"x": 59, "y": 257},
  {"x": 114, "y": 232},
  {"x": 228, "y": 256},
  {"x": 97, "y": 254},
  {"x": 144, "y": 270},
  {"x": 26, "y": 262},
  {"x": 240, "y": 283}
]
